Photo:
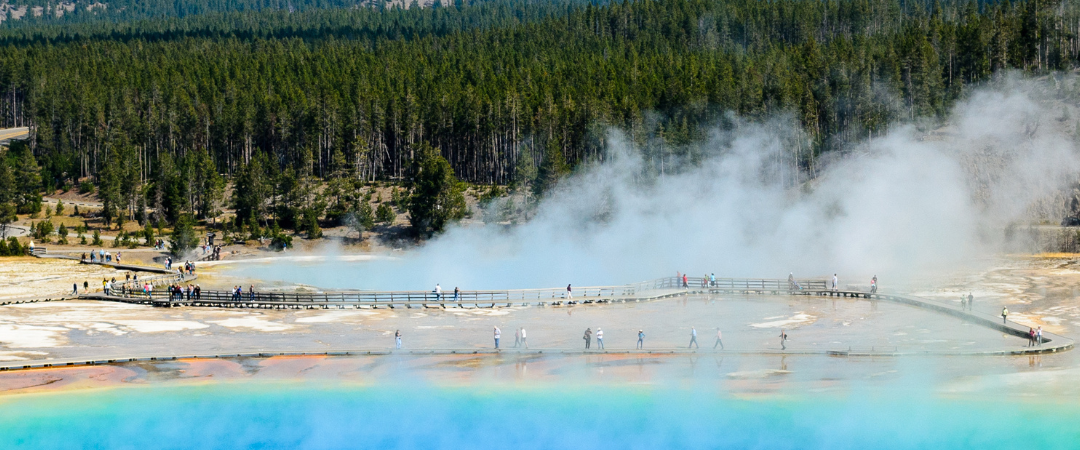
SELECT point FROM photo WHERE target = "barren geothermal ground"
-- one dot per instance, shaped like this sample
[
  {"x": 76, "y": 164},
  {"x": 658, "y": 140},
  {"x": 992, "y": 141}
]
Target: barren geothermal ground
[{"x": 1038, "y": 291}]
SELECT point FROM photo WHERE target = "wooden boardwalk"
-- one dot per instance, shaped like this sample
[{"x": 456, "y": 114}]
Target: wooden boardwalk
[{"x": 643, "y": 291}]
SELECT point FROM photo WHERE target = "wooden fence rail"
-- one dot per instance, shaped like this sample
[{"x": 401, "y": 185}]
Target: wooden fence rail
[{"x": 133, "y": 290}]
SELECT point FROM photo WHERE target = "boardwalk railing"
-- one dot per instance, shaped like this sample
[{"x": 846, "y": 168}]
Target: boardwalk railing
[
  {"x": 133, "y": 287},
  {"x": 646, "y": 290}
]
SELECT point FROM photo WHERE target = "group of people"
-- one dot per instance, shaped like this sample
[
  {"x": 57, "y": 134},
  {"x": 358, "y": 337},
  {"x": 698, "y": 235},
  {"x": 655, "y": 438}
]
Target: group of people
[
  {"x": 213, "y": 250},
  {"x": 438, "y": 293},
  {"x": 966, "y": 302},
  {"x": 1034, "y": 336},
  {"x": 238, "y": 293},
  {"x": 707, "y": 280},
  {"x": 101, "y": 256},
  {"x": 178, "y": 292}
]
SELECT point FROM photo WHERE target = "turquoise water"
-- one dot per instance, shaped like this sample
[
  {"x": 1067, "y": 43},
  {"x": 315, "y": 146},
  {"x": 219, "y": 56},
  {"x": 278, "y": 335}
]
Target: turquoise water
[{"x": 305, "y": 416}]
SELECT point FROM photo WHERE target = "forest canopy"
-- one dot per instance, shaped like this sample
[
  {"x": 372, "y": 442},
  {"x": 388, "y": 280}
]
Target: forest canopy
[{"x": 162, "y": 108}]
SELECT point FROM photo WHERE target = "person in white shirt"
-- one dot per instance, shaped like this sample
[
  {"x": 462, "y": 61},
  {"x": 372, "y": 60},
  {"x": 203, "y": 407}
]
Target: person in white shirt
[
  {"x": 834, "y": 282},
  {"x": 718, "y": 340},
  {"x": 693, "y": 338},
  {"x": 438, "y": 292},
  {"x": 498, "y": 334},
  {"x": 524, "y": 341},
  {"x": 599, "y": 338}
]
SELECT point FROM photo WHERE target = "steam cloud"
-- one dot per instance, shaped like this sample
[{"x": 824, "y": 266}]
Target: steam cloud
[{"x": 900, "y": 205}]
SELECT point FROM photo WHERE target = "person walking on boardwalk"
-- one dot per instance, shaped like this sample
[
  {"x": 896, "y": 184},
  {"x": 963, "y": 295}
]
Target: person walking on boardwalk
[
  {"x": 963, "y": 303},
  {"x": 517, "y": 337},
  {"x": 457, "y": 292},
  {"x": 640, "y": 339},
  {"x": 587, "y": 337},
  {"x": 599, "y": 338},
  {"x": 712, "y": 280},
  {"x": 498, "y": 334},
  {"x": 397, "y": 338},
  {"x": 438, "y": 292},
  {"x": 719, "y": 340},
  {"x": 783, "y": 340},
  {"x": 685, "y": 281},
  {"x": 835, "y": 282},
  {"x": 873, "y": 285},
  {"x": 693, "y": 338},
  {"x": 569, "y": 293},
  {"x": 1004, "y": 314},
  {"x": 1031, "y": 337},
  {"x": 1038, "y": 335},
  {"x": 791, "y": 281},
  {"x": 524, "y": 340},
  {"x": 971, "y": 300}
]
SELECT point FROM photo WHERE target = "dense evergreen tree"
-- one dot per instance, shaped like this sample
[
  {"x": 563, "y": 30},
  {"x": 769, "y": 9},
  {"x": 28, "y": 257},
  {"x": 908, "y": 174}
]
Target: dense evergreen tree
[
  {"x": 183, "y": 238},
  {"x": 437, "y": 197}
]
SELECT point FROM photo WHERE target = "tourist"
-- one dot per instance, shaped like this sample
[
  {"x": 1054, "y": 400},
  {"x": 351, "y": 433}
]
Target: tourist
[
  {"x": 438, "y": 292},
  {"x": 587, "y": 337},
  {"x": 1038, "y": 335},
  {"x": 873, "y": 285},
  {"x": 397, "y": 338},
  {"x": 251, "y": 292},
  {"x": 1031, "y": 337},
  {"x": 712, "y": 279},
  {"x": 85, "y": 285},
  {"x": 524, "y": 340},
  {"x": 457, "y": 292},
  {"x": 1004, "y": 314},
  {"x": 693, "y": 338},
  {"x": 569, "y": 293},
  {"x": 640, "y": 339},
  {"x": 198, "y": 292},
  {"x": 783, "y": 340},
  {"x": 963, "y": 303},
  {"x": 705, "y": 281},
  {"x": 791, "y": 281},
  {"x": 498, "y": 334},
  {"x": 718, "y": 340},
  {"x": 74, "y": 288},
  {"x": 517, "y": 338},
  {"x": 118, "y": 257},
  {"x": 599, "y": 338},
  {"x": 971, "y": 301},
  {"x": 835, "y": 282},
  {"x": 685, "y": 281}
]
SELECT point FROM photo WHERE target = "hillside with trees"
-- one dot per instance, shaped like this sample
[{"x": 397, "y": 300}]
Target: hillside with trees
[{"x": 299, "y": 110}]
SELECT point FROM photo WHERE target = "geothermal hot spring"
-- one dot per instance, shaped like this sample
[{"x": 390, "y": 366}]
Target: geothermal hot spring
[{"x": 751, "y": 394}]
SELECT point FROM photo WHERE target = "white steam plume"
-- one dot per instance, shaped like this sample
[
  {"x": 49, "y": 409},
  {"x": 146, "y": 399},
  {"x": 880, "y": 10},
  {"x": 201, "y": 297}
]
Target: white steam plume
[{"x": 897, "y": 206}]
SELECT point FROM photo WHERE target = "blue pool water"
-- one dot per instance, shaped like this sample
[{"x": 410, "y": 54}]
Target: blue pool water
[{"x": 309, "y": 416}]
